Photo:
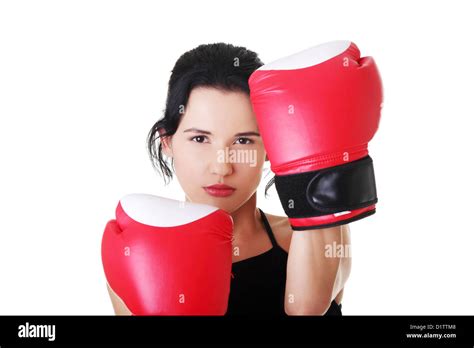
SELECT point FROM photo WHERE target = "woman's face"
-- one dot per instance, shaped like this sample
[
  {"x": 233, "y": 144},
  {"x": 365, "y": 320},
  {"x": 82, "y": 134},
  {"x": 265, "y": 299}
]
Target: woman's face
[{"x": 217, "y": 142}]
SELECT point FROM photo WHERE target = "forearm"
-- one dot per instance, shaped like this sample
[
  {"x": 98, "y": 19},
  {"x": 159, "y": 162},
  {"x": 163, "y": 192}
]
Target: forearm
[{"x": 316, "y": 271}]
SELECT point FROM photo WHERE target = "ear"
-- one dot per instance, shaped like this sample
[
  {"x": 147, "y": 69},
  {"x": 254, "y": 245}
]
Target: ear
[{"x": 166, "y": 144}]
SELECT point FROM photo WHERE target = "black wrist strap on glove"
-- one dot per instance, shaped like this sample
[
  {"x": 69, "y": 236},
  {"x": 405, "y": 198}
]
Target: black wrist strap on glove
[{"x": 327, "y": 191}]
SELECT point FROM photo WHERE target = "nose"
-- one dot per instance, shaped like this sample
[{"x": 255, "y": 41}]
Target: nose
[{"x": 221, "y": 165}]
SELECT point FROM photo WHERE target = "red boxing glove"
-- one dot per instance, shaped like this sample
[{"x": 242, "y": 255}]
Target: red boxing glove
[
  {"x": 317, "y": 110},
  {"x": 169, "y": 257}
]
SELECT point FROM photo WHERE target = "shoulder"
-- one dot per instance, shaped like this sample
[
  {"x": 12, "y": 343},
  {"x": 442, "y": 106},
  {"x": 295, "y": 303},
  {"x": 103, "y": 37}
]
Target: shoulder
[{"x": 281, "y": 230}]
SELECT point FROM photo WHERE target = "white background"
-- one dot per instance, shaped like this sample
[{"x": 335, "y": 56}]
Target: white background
[{"x": 82, "y": 82}]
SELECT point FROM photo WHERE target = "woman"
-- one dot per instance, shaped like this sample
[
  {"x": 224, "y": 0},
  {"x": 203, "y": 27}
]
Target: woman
[{"x": 208, "y": 116}]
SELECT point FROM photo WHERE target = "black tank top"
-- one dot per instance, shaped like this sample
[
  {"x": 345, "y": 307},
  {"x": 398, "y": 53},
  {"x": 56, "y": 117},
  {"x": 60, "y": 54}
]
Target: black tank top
[{"x": 258, "y": 283}]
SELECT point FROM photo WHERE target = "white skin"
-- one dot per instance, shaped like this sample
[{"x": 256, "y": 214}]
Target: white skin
[{"x": 227, "y": 120}]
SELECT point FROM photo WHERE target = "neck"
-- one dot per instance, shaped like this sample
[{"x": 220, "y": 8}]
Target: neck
[{"x": 247, "y": 218}]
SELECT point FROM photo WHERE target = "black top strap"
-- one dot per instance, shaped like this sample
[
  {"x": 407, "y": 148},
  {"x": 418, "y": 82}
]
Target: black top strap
[{"x": 268, "y": 229}]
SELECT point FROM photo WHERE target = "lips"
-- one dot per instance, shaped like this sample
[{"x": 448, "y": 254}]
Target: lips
[{"x": 219, "y": 190}]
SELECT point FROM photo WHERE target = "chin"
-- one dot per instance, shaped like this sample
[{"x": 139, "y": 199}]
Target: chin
[{"x": 226, "y": 206}]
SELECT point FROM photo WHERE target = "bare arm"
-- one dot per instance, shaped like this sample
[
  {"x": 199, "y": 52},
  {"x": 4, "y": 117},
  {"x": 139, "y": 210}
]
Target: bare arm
[
  {"x": 318, "y": 268},
  {"x": 119, "y": 306}
]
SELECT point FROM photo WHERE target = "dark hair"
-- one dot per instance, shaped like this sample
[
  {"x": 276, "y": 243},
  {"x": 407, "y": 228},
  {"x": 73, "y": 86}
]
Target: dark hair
[{"x": 219, "y": 65}]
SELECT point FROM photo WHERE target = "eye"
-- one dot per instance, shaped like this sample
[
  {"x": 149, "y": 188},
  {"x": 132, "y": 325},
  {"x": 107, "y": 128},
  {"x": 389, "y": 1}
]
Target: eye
[
  {"x": 244, "y": 141},
  {"x": 199, "y": 138}
]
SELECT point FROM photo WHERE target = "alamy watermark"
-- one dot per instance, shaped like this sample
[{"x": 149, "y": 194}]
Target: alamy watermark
[{"x": 237, "y": 156}]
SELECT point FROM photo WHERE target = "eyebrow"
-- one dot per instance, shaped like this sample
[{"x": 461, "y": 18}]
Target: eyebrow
[{"x": 196, "y": 130}]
